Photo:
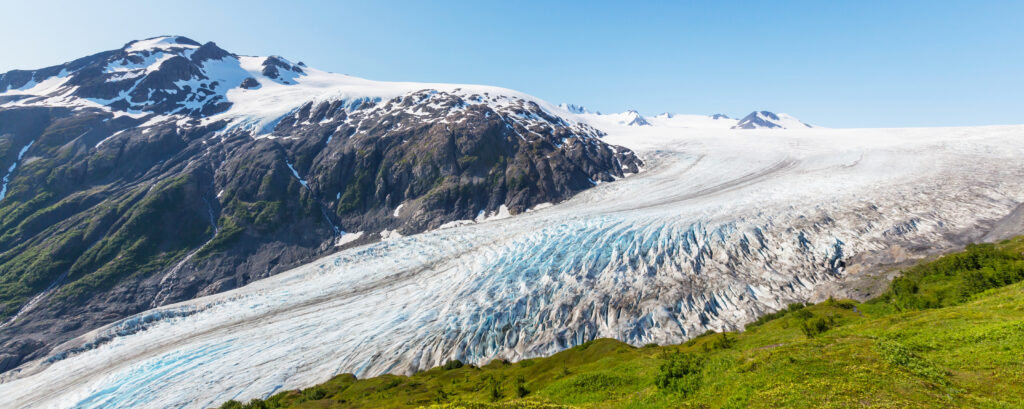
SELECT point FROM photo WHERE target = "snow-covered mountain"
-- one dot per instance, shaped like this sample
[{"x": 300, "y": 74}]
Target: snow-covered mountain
[
  {"x": 765, "y": 119},
  {"x": 168, "y": 169},
  {"x": 720, "y": 226}
]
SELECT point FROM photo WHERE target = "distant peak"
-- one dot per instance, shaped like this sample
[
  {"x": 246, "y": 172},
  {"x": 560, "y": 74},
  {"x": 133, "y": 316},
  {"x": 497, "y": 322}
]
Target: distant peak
[
  {"x": 635, "y": 119},
  {"x": 768, "y": 119}
]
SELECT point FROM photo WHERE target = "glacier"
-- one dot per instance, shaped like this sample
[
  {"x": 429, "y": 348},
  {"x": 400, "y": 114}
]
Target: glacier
[{"x": 721, "y": 226}]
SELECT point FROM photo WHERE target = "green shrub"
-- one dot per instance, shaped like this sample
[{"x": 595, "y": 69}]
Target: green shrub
[
  {"x": 680, "y": 373},
  {"x": 314, "y": 394},
  {"x": 394, "y": 382},
  {"x": 452, "y": 364},
  {"x": 723, "y": 341},
  {"x": 231, "y": 404},
  {"x": 256, "y": 404},
  {"x": 814, "y": 326},
  {"x": 803, "y": 314}
]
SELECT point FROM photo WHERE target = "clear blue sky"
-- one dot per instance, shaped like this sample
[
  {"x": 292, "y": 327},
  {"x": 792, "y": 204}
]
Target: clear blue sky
[{"x": 833, "y": 63}]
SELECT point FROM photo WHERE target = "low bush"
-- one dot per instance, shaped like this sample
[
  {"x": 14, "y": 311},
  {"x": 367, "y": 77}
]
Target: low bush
[
  {"x": 680, "y": 373},
  {"x": 814, "y": 326}
]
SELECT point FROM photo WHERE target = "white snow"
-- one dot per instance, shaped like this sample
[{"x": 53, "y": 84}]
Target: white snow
[
  {"x": 10, "y": 170},
  {"x": 501, "y": 213},
  {"x": 455, "y": 223},
  {"x": 296, "y": 174},
  {"x": 544, "y": 205},
  {"x": 788, "y": 121},
  {"x": 348, "y": 238},
  {"x": 157, "y": 43},
  {"x": 398, "y": 210},
  {"x": 390, "y": 234},
  {"x": 45, "y": 87}
]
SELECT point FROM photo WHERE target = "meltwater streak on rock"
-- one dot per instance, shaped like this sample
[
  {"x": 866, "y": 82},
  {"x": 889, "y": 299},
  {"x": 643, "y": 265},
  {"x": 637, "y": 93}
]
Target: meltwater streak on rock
[{"x": 716, "y": 231}]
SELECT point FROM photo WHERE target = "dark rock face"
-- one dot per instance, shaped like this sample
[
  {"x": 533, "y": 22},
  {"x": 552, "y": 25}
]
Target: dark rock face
[
  {"x": 107, "y": 215},
  {"x": 16, "y": 351},
  {"x": 443, "y": 157}
]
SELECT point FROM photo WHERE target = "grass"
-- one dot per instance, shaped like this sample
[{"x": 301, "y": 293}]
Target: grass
[{"x": 935, "y": 339}]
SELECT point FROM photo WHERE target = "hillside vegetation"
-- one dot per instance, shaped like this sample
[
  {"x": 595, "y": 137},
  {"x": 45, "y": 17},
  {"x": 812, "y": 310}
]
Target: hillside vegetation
[{"x": 947, "y": 333}]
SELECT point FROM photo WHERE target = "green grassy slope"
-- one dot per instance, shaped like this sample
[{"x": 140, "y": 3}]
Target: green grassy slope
[{"x": 948, "y": 333}]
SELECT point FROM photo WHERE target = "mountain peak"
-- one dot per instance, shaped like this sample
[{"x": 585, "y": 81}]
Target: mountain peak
[
  {"x": 769, "y": 120},
  {"x": 163, "y": 43},
  {"x": 633, "y": 118}
]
